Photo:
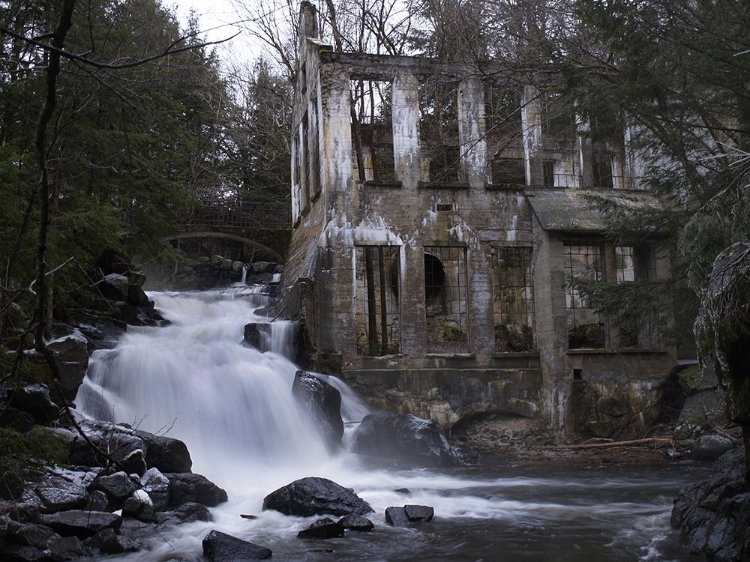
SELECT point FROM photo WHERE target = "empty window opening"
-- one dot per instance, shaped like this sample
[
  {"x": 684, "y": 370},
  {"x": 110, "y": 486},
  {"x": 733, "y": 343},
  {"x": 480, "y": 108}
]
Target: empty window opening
[
  {"x": 377, "y": 303},
  {"x": 584, "y": 261},
  {"x": 508, "y": 172},
  {"x": 446, "y": 299},
  {"x": 636, "y": 327},
  {"x": 577, "y": 374},
  {"x": 548, "y": 169},
  {"x": 502, "y": 113},
  {"x": 602, "y": 163},
  {"x": 558, "y": 116},
  {"x": 513, "y": 304},
  {"x": 372, "y": 130},
  {"x": 438, "y": 129}
]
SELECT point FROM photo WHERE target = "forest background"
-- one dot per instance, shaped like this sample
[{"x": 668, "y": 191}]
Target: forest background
[{"x": 116, "y": 121}]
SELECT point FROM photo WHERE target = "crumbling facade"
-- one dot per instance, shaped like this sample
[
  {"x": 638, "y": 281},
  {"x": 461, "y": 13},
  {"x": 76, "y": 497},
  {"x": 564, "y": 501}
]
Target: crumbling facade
[{"x": 439, "y": 216}]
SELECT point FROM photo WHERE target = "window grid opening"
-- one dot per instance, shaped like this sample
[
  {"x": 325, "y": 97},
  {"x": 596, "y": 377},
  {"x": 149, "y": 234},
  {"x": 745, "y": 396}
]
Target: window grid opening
[
  {"x": 446, "y": 299},
  {"x": 584, "y": 260},
  {"x": 377, "y": 311},
  {"x": 636, "y": 264},
  {"x": 513, "y": 305}
]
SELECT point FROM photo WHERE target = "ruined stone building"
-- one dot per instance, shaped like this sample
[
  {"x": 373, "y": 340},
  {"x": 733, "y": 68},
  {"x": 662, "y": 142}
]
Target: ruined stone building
[{"x": 439, "y": 214}]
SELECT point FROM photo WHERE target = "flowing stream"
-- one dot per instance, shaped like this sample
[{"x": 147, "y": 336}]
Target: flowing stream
[{"x": 232, "y": 405}]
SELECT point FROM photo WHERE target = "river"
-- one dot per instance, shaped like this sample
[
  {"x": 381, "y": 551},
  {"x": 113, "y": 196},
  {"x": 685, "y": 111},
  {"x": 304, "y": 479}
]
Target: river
[{"x": 232, "y": 405}]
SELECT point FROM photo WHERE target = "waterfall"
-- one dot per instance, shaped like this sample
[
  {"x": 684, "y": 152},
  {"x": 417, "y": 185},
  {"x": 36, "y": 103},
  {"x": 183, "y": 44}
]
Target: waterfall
[
  {"x": 245, "y": 267},
  {"x": 194, "y": 380}
]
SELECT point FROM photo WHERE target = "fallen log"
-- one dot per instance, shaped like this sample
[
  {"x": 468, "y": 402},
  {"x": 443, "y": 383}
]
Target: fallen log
[{"x": 613, "y": 444}]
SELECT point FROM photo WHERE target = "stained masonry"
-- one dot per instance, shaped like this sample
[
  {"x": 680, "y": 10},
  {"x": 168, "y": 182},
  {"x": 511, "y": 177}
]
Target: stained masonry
[{"x": 439, "y": 215}]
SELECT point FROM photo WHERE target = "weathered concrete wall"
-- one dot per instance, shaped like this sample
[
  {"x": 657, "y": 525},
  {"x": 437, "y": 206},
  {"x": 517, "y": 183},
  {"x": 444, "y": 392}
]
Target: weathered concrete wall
[{"x": 337, "y": 215}]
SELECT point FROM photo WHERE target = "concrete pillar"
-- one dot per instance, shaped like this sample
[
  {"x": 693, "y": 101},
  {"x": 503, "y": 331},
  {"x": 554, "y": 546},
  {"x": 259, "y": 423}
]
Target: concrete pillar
[
  {"x": 413, "y": 322},
  {"x": 471, "y": 132},
  {"x": 585, "y": 153},
  {"x": 406, "y": 130},
  {"x": 337, "y": 134},
  {"x": 531, "y": 128}
]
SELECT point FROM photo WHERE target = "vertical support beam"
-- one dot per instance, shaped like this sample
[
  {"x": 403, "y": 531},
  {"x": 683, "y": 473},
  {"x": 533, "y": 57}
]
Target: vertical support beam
[
  {"x": 406, "y": 150},
  {"x": 471, "y": 132},
  {"x": 585, "y": 152},
  {"x": 531, "y": 128},
  {"x": 337, "y": 132}
]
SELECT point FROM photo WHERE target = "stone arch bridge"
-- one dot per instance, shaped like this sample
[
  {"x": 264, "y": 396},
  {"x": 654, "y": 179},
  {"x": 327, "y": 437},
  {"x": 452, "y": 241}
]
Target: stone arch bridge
[{"x": 238, "y": 228}]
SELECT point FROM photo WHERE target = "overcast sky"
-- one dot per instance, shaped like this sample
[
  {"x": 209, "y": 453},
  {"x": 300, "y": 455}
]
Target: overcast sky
[{"x": 216, "y": 18}]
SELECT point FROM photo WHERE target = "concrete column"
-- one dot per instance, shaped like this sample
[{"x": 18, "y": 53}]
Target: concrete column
[
  {"x": 585, "y": 152},
  {"x": 531, "y": 128},
  {"x": 336, "y": 134},
  {"x": 413, "y": 322},
  {"x": 406, "y": 130},
  {"x": 471, "y": 132}
]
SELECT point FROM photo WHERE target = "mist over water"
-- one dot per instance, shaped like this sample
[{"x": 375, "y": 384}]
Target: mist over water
[{"x": 232, "y": 405}]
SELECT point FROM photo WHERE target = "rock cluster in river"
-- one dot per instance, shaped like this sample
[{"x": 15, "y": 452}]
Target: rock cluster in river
[
  {"x": 307, "y": 497},
  {"x": 118, "y": 485}
]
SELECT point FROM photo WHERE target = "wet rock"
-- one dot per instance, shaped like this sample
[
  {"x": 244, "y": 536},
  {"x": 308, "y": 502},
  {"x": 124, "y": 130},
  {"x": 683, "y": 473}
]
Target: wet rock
[
  {"x": 710, "y": 447},
  {"x": 396, "y": 516},
  {"x": 140, "y": 507},
  {"x": 97, "y": 501},
  {"x": 325, "y": 528},
  {"x": 81, "y": 523},
  {"x": 26, "y": 534},
  {"x": 189, "y": 487},
  {"x": 117, "y": 441},
  {"x": 67, "y": 548},
  {"x": 117, "y": 486},
  {"x": 58, "y": 494},
  {"x": 419, "y": 512},
  {"x": 220, "y": 547},
  {"x": 191, "y": 511},
  {"x": 707, "y": 407},
  {"x": 403, "y": 439},
  {"x": 403, "y": 516},
  {"x": 118, "y": 544},
  {"x": 72, "y": 355},
  {"x": 257, "y": 334},
  {"x": 315, "y": 496},
  {"x": 322, "y": 403},
  {"x": 165, "y": 453},
  {"x": 156, "y": 485},
  {"x": 356, "y": 523},
  {"x": 35, "y": 400},
  {"x": 713, "y": 516}
]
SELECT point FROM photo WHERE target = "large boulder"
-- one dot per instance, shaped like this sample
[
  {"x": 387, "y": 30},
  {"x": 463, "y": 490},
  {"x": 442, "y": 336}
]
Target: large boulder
[
  {"x": 403, "y": 516},
  {"x": 220, "y": 547},
  {"x": 120, "y": 443},
  {"x": 322, "y": 403},
  {"x": 315, "y": 496},
  {"x": 325, "y": 528},
  {"x": 165, "y": 453},
  {"x": 713, "y": 516},
  {"x": 188, "y": 487},
  {"x": 402, "y": 440},
  {"x": 710, "y": 447},
  {"x": 81, "y": 523},
  {"x": 72, "y": 355},
  {"x": 59, "y": 494},
  {"x": 35, "y": 400}
]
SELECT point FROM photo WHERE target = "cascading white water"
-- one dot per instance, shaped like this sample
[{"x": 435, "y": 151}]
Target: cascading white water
[
  {"x": 232, "y": 405},
  {"x": 245, "y": 267},
  {"x": 195, "y": 381}
]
